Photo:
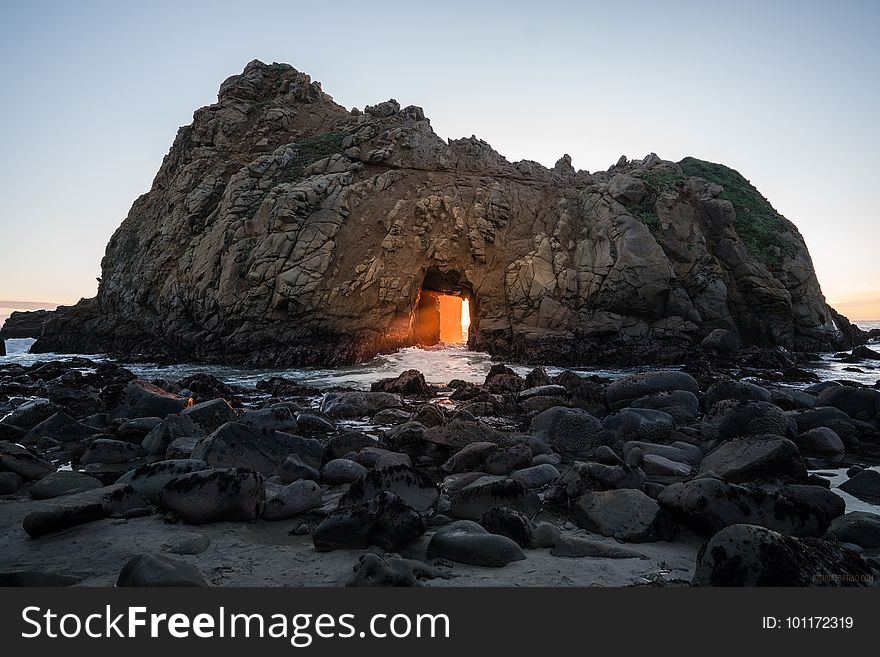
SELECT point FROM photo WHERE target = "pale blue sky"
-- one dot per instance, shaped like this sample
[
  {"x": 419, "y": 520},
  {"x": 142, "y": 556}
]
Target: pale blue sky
[{"x": 785, "y": 92}]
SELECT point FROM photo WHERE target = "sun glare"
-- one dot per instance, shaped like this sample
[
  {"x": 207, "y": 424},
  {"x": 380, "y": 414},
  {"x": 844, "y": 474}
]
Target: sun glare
[{"x": 465, "y": 317}]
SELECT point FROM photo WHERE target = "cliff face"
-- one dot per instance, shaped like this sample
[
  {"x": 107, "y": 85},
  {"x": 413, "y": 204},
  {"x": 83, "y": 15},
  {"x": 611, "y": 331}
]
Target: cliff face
[{"x": 282, "y": 228}]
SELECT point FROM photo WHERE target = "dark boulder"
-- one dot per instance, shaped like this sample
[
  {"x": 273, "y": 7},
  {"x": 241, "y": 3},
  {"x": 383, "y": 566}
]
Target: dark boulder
[
  {"x": 749, "y": 555},
  {"x": 214, "y": 495},
  {"x": 858, "y": 403},
  {"x": 467, "y": 542},
  {"x": 512, "y": 524},
  {"x": 473, "y": 501},
  {"x": 626, "y": 514},
  {"x": 237, "y": 445},
  {"x": 737, "y": 390},
  {"x": 78, "y": 508},
  {"x": 385, "y": 520},
  {"x": 731, "y": 419},
  {"x": 210, "y": 415},
  {"x": 149, "y": 479},
  {"x": 568, "y": 430},
  {"x": 708, "y": 505},
  {"x": 412, "y": 486},
  {"x": 857, "y": 527},
  {"x": 63, "y": 482},
  {"x": 458, "y": 433},
  {"x": 60, "y": 427},
  {"x": 109, "y": 451},
  {"x": 628, "y": 388},
  {"x": 639, "y": 424},
  {"x": 756, "y": 458},
  {"x": 142, "y": 399},
  {"x": 410, "y": 382},
  {"x": 357, "y": 403},
  {"x": 23, "y": 462},
  {"x": 172, "y": 428},
  {"x": 864, "y": 485}
]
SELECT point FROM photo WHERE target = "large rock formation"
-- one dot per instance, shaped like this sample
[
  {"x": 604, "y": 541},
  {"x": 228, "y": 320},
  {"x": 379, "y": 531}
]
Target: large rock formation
[
  {"x": 283, "y": 228},
  {"x": 24, "y": 324}
]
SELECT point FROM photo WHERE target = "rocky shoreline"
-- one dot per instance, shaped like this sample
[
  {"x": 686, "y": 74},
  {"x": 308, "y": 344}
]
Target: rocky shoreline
[{"x": 666, "y": 477}]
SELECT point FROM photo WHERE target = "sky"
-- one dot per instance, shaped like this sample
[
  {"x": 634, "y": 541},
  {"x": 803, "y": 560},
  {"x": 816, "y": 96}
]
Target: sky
[{"x": 784, "y": 92}]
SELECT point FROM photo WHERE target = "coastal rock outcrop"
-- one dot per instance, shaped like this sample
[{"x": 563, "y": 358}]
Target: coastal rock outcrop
[{"x": 282, "y": 228}]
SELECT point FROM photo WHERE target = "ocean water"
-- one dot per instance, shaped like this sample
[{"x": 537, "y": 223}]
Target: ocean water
[{"x": 439, "y": 364}]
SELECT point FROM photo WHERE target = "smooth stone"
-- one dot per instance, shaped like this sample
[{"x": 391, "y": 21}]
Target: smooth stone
[
  {"x": 342, "y": 471},
  {"x": 822, "y": 440},
  {"x": 859, "y": 527},
  {"x": 214, "y": 495},
  {"x": 626, "y": 514},
  {"x": 864, "y": 485},
  {"x": 109, "y": 451},
  {"x": 577, "y": 547},
  {"x": 654, "y": 464},
  {"x": 149, "y": 479},
  {"x": 63, "y": 482},
  {"x": 536, "y": 476},
  {"x": 467, "y": 542},
  {"x": 293, "y": 469},
  {"x": 283, "y": 502},
  {"x": 159, "y": 570}
]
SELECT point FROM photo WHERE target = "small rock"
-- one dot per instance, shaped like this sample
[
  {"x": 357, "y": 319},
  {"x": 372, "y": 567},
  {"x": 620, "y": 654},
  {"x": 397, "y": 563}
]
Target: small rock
[
  {"x": 410, "y": 382},
  {"x": 821, "y": 440},
  {"x": 358, "y": 403},
  {"x": 10, "y": 482},
  {"x": 864, "y": 485},
  {"x": 390, "y": 570},
  {"x": 627, "y": 515},
  {"x": 293, "y": 469},
  {"x": 859, "y": 527},
  {"x": 507, "y": 522},
  {"x": 283, "y": 502},
  {"x": 654, "y": 464},
  {"x": 187, "y": 543},
  {"x": 578, "y": 546},
  {"x": 159, "y": 570},
  {"x": 536, "y": 476},
  {"x": 342, "y": 471}
]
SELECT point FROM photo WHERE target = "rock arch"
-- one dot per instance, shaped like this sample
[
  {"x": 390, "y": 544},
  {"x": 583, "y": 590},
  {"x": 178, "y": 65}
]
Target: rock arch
[{"x": 428, "y": 308}]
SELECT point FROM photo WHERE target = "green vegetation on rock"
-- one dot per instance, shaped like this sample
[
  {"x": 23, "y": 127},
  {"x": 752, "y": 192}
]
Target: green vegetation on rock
[
  {"x": 758, "y": 224},
  {"x": 660, "y": 182},
  {"x": 309, "y": 151}
]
